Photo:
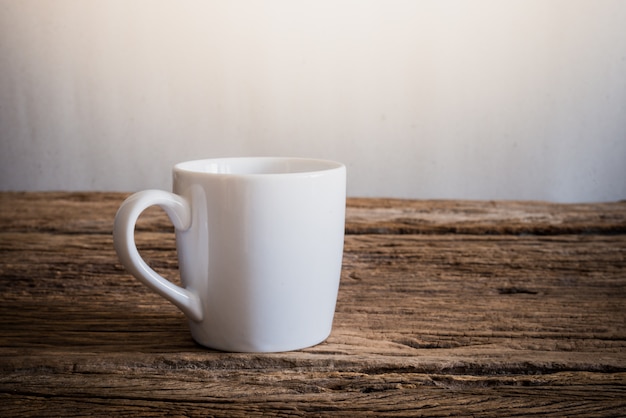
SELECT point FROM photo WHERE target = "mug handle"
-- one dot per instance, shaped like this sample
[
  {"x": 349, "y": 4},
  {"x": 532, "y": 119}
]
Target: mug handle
[{"x": 179, "y": 212}]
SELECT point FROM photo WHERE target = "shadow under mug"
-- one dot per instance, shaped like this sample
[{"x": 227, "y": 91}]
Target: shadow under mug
[{"x": 260, "y": 246}]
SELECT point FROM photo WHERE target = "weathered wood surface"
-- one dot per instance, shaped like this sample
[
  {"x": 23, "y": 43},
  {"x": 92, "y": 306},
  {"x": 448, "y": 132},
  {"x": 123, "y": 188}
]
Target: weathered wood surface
[{"x": 445, "y": 308}]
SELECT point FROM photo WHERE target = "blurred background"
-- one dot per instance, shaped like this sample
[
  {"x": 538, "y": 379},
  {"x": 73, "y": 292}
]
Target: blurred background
[{"x": 452, "y": 99}]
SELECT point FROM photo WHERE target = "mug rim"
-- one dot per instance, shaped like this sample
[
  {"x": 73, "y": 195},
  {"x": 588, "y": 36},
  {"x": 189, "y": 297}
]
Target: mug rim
[{"x": 257, "y": 166}]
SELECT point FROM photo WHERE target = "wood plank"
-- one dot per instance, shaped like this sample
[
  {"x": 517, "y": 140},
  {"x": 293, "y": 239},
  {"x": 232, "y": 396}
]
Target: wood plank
[
  {"x": 429, "y": 321},
  {"x": 245, "y": 392},
  {"x": 406, "y": 291},
  {"x": 22, "y": 212},
  {"x": 397, "y": 216}
]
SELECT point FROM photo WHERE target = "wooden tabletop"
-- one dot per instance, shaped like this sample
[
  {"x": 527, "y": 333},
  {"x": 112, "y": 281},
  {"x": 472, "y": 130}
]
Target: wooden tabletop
[{"x": 445, "y": 308}]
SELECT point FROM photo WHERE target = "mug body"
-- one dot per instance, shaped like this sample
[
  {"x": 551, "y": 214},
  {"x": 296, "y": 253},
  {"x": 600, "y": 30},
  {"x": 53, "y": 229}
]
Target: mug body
[{"x": 264, "y": 249}]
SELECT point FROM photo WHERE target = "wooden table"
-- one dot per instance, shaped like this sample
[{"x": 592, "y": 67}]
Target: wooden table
[{"x": 445, "y": 308}]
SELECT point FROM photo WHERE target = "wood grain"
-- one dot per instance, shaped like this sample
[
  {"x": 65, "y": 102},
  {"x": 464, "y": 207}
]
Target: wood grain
[{"x": 445, "y": 308}]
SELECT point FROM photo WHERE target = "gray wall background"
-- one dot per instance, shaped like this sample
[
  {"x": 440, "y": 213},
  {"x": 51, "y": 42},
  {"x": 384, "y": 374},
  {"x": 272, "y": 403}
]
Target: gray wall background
[{"x": 475, "y": 99}]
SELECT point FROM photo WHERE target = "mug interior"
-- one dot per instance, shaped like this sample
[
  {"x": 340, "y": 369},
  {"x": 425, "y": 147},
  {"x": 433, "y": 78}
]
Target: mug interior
[{"x": 257, "y": 165}]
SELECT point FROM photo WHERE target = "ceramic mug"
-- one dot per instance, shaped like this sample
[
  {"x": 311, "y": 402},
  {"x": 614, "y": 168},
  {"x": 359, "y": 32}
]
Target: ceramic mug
[{"x": 259, "y": 243}]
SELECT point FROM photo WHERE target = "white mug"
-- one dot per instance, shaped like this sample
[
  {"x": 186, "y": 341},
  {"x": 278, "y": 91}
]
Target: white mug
[{"x": 260, "y": 246}]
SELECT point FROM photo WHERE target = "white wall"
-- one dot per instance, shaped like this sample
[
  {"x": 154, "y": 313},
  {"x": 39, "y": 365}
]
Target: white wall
[{"x": 478, "y": 99}]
